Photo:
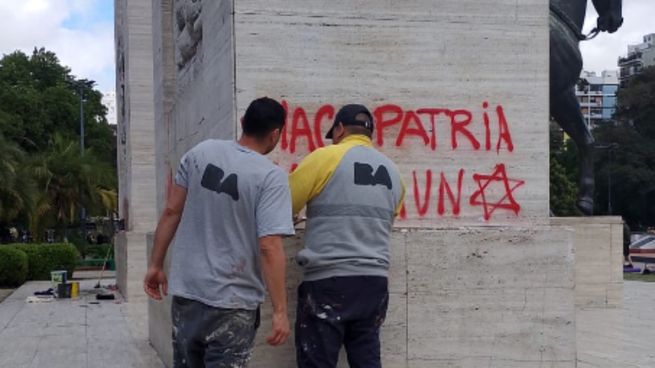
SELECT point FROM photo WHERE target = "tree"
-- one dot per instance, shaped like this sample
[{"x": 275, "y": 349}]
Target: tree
[
  {"x": 631, "y": 169},
  {"x": 636, "y": 103},
  {"x": 45, "y": 179},
  {"x": 39, "y": 96},
  {"x": 563, "y": 192},
  {"x": 631, "y": 166},
  {"x": 17, "y": 188},
  {"x": 69, "y": 182},
  {"x": 563, "y": 173}
]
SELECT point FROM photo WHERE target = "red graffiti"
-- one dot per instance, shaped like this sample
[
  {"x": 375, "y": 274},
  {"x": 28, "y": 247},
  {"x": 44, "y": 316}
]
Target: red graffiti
[
  {"x": 284, "y": 143},
  {"x": 444, "y": 189},
  {"x": 503, "y": 131},
  {"x": 422, "y": 124},
  {"x": 403, "y": 212},
  {"x": 300, "y": 128},
  {"x": 422, "y": 208},
  {"x": 381, "y": 122},
  {"x": 479, "y": 198},
  {"x": 450, "y": 194},
  {"x": 460, "y": 126},
  {"x": 433, "y": 128},
  {"x": 325, "y": 112}
]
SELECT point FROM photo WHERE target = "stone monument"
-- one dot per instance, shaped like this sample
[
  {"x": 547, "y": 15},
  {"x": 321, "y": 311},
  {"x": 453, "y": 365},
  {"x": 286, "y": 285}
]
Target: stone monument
[{"x": 459, "y": 91}]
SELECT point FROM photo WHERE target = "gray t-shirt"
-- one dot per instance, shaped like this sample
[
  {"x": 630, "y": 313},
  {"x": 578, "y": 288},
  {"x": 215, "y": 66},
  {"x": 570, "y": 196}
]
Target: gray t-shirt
[{"x": 234, "y": 196}]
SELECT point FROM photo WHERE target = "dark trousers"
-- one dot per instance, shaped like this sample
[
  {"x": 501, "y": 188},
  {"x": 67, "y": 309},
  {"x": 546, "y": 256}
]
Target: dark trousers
[
  {"x": 339, "y": 311},
  {"x": 205, "y": 336}
]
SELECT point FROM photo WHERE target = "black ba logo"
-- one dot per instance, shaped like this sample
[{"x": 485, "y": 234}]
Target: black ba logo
[
  {"x": 212, "y": 179},
  {"x": 364, "y": 175}
]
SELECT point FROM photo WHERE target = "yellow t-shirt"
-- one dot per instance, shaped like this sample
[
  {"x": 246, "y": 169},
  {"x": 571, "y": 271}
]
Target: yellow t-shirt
[{"x": 316, "y": 169}]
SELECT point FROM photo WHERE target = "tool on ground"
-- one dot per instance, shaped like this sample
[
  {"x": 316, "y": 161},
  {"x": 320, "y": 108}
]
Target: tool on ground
[
  {"x": 39, "y": 299},
  {"x": 104, "y": 264},
  {"x": 107, "y": 296}
]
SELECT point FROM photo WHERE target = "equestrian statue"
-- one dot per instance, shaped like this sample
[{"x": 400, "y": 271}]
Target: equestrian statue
[{"x": 566, "y": 22}]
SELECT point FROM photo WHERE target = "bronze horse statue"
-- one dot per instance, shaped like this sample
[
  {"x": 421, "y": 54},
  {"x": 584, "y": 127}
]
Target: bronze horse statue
[{"x": 566, "y": 22}]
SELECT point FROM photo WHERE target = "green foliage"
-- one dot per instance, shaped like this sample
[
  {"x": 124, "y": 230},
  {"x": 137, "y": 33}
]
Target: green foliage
[
  {"x": 70, "y": 182},
  {"x": 38, "y": 96},
  {"x": 99, "y": 251},
  {"x": 632, "y": 169},
  {"x": 564, "y": 173},
  {"x": 13, "y": 266},
  {"x": 631, "y": 166},
  {"x": 636, "y": 103},
  {"x": 44, "y": 258},
  {"x": 563, "y": 192},
  {"x": 44, "y": 178},
  {"x": 639, "y": 277},
  {"x": 17, "y": 188}
]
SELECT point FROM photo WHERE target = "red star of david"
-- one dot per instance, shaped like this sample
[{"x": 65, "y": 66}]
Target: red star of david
[{"x": 506, "y": 202}]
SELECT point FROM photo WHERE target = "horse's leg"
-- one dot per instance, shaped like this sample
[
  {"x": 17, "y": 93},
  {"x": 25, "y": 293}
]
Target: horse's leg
[{"x": 565, "y": 109}]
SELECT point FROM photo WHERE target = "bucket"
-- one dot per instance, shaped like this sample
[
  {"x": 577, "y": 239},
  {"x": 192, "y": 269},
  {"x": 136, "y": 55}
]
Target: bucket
[
  {"x": 58, "y": 277},
  {"x": 64, "y": 290},
  {"x": 75, "y": 289}
]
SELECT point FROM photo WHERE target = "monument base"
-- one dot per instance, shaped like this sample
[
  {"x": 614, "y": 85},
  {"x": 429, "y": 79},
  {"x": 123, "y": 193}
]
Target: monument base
[
  {"x": 130, "y": 255},
  {"x": 598, "y": 260},
  {"x": 499, "y": 297}
]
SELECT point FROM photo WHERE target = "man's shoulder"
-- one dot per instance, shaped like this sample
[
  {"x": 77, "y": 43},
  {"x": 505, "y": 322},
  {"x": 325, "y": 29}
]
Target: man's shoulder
[{"x": 329, "y": 152}]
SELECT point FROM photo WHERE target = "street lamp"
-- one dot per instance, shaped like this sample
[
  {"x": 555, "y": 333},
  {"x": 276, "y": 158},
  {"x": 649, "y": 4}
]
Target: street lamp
[
  {"x": 82, "y": 101},
  {"x": 81, "y": 84},
  {"x": 610, "y": 153}
]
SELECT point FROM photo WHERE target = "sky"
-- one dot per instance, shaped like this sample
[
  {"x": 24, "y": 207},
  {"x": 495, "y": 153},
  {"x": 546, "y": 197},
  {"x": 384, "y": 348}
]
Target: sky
[
  {"x": 602, "y": 52},
  {"x": 81, "y": 33}
]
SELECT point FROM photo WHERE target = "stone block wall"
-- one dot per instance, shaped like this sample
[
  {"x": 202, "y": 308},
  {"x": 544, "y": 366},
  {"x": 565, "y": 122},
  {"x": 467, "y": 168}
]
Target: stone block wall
[
  {"x": 458, "y": 298},
  {"x": 136, "y": 139},
  {"x": 598, "y": 260},
  {"x": 459, "y": 93}
]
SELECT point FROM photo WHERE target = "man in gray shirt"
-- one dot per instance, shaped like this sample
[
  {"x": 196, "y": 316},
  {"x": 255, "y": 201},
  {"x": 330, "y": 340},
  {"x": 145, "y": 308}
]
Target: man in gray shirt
[{"x": 228, "y": 210}]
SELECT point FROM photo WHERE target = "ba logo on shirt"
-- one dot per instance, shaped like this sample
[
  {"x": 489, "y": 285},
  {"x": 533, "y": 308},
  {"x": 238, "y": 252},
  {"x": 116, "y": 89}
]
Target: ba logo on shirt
[
  {"x": 364, "y": 175},
  {"x": 212, "y": 179}
]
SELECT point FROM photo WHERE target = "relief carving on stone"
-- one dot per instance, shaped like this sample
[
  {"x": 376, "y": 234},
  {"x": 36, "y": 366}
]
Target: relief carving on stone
[{"x": 188, "y": 31}]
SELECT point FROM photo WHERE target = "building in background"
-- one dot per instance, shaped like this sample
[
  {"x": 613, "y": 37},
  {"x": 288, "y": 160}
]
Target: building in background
[
  {"x": 639, "y": 57},
  {"x": 597, "y": 96}
]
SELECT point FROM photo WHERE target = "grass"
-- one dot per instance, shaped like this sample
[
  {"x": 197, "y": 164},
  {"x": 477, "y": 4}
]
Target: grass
[{"x": 639, "y": 277}]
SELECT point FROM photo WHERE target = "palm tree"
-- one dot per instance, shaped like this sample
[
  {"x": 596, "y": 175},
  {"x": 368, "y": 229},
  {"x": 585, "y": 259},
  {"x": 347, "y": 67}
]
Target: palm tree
[
  {"x": 17, "y": 188},
  {"x": 69, "y": 182}
]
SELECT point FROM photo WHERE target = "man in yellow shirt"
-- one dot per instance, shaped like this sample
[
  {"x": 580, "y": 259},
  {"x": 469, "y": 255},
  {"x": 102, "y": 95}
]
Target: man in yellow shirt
[{"x": 352, "y": 193}]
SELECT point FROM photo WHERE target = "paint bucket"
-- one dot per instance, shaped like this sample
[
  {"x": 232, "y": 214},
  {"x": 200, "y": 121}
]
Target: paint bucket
[
  {"x": 75, "y": 289},
  {"x": 64, "y": 290},
  {"x": 58, "y": 277}
]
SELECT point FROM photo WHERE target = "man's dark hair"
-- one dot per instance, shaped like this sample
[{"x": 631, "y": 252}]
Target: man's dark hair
[{"x": 262, "y": 117}]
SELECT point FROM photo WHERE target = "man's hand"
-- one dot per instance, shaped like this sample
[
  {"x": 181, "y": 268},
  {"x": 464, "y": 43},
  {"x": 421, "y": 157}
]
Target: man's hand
[
  {"x": 155, "y": 278},
  {"x": 297, "y": 219},
  {"x": 280, "y": 331}
]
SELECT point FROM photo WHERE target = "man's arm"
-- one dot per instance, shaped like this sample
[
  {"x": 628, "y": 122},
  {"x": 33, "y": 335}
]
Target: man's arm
[
  {"x": 274, "y": 268},
  {"x": 166, "y": 228}
]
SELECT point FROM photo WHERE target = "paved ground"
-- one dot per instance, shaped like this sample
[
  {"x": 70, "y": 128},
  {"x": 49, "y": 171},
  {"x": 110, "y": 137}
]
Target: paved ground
[
  {"x": 77, "y": 333},
  {"x": 71, "y": 333},
  {"x": 4, "y": 293},
  {"x": 613, "y": 338}
]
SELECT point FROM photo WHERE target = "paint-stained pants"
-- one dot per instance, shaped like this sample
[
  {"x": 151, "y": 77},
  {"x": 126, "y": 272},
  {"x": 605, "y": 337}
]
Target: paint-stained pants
[
  {"x": 205, "y": 336},
  {"x": 339, "y": 311}
]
